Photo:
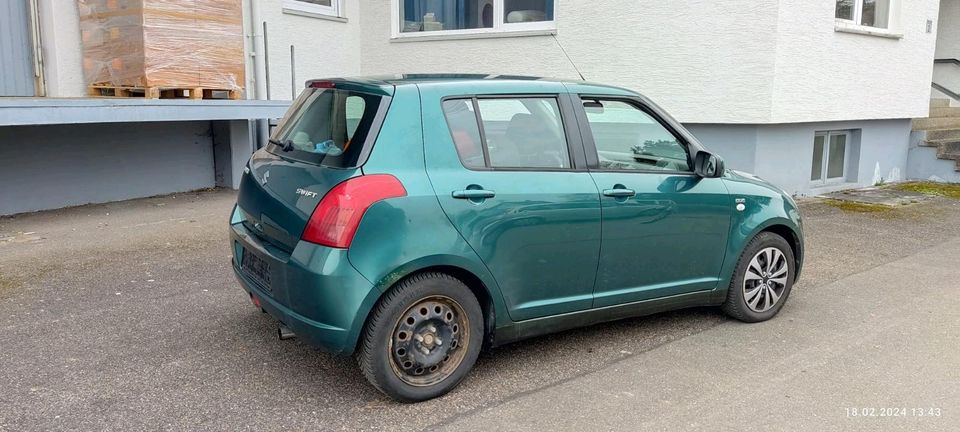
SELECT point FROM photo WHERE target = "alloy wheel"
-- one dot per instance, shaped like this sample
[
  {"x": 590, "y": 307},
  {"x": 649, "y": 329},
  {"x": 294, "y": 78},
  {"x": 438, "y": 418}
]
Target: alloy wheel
[{"x": 765, "y": 279}]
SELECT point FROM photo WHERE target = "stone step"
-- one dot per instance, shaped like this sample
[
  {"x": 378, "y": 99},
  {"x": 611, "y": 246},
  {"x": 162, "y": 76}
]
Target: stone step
[
  {"x": 944, "y": 112},
  {"x": 939, "y": 103},
  {"x": 943, "y": 135},
  {"x": 934, "y": 123},
  {"x": 949, "y": 151}
]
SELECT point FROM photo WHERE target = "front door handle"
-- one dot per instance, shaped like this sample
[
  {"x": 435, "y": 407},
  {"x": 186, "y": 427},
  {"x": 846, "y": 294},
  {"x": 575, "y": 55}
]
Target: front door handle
[
  {"x": 473, "y": 194},
  {"x": 619, "y": 193}
]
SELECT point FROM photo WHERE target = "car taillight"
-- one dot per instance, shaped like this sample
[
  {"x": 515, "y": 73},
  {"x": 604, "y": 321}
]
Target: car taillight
[
  {"x": 323, "y": 84},
  {"x": 337, "y": 216}
]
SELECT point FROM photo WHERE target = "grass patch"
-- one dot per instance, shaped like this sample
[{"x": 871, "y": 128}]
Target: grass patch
[
  {"x": 858, "y": 207},
  {"x": 948, "y": 190}
]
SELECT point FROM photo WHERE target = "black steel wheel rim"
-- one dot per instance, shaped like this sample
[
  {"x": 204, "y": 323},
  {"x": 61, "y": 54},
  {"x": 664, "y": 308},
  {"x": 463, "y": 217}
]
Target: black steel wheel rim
[{"x": 429, "y": 341}]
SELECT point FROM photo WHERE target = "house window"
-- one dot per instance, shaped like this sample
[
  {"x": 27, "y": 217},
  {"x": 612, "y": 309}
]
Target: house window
[
  {"x": 829, "y": 157},
  {"x": 868, "y": 13},
  {"x": 451, "y": 17},
  {"x": 332, "y": 8}
]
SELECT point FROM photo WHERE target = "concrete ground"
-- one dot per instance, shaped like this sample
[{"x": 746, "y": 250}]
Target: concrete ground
[{"x": 126, "y": 316}]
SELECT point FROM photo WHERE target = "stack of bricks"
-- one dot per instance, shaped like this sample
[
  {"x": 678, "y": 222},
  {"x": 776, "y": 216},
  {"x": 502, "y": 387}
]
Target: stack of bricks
[{"x": 152, "y": 46}]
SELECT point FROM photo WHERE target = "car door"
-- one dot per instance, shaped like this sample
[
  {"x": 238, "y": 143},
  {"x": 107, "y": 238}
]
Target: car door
[
  {"x": 506, "y": 174},
  {"x": 664, "y": 228}
]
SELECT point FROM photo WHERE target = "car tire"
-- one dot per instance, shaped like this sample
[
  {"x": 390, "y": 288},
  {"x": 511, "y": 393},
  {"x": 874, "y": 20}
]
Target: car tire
[
  {"x": 757, "y": 279},
  {"x": 422, "y": 338}
]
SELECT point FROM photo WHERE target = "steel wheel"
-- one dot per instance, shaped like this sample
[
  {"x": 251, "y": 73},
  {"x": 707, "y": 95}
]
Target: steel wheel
[
  {"x": 429, "y": 341},
  {"x": 765, "y": 279}
]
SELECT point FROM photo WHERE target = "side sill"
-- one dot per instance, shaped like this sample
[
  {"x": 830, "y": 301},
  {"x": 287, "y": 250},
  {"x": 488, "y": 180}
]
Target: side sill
[{"x": 557, "y": 323}]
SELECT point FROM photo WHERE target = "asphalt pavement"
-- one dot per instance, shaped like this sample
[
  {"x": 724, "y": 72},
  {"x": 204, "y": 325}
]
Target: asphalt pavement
[{"x": 126, "y": 316}]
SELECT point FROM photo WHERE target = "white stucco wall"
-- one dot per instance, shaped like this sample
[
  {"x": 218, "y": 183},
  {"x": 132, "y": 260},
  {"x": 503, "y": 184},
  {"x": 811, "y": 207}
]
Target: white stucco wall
[
  {"x": 322, "y": 47},
  {"x": 702, "y": 60},
  {"x": 822, "y": 74},
  {"x": 948, "y": 30}
]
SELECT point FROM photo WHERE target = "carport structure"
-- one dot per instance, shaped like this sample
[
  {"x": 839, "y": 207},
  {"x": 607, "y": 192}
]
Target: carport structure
[{"x": 63, "y": 152}]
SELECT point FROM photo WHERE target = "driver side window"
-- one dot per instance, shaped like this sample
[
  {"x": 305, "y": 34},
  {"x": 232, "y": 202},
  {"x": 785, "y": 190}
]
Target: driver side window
[{"x": 627, "y": 138}]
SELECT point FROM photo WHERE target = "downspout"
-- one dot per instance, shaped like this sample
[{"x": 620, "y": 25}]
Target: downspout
[{"x": 261, "y": 128}]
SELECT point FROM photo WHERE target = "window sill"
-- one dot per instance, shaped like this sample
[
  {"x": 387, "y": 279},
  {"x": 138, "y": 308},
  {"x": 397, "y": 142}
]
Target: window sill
[
  {"x": 459, "y": 35},
  {"x": 848, "y": 27},
  {"x": 309, "y": 14}
]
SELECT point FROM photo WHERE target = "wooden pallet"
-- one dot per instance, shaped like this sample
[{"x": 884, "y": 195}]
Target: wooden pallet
[{"x": 98, "y": 90}]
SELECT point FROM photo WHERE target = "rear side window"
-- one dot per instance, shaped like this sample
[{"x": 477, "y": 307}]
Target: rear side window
[
  {"x": 523, "y": 132},
  {"x": 331, "y": 127}
]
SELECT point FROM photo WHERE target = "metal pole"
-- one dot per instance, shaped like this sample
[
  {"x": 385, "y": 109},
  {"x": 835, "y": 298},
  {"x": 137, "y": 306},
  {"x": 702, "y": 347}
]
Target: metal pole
[
  {"x": 293, "y": 75},
  {"x": 266, "y": 59}
]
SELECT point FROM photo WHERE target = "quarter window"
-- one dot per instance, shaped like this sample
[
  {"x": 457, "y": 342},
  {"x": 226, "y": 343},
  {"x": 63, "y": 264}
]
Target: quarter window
[
  {"x": 627, "y": 138},
  {"x": 448, "y": 17},
  {"x": 511, "y": 132},
  {"x": 870, "y": 13}
]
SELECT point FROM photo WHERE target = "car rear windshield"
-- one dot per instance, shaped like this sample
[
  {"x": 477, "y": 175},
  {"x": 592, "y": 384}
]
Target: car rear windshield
[{"x": 330, "y": 127}]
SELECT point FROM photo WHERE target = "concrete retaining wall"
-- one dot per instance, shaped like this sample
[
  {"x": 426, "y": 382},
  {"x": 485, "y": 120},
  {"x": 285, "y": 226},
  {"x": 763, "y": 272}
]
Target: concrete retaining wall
[{"x": 47, "y": 167}]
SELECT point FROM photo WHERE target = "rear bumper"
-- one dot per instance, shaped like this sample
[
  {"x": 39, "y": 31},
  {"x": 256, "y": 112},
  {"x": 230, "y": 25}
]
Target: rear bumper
[{"x": 314, "y": 290}]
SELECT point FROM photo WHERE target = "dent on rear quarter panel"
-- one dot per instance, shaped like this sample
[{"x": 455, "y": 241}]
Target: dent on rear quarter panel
[{"x": 400, "y": 236}]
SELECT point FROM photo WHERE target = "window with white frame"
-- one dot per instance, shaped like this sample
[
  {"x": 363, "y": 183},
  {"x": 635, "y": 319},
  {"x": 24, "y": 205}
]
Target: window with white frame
[
  {"x": 332, "y": 8},
  {"x": 473, "y": 16},
  {"x": 868, "y": 13},
  {"x": 829, "y": 157}
]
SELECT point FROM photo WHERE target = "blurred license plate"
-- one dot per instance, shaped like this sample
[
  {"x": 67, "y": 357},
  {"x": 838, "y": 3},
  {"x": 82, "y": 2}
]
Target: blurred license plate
[{"x": 257, "y": 268}]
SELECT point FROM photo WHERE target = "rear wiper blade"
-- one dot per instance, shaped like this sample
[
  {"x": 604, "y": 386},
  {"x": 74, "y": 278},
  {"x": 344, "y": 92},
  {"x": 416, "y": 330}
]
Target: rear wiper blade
[{"x": 285, "y": 145}]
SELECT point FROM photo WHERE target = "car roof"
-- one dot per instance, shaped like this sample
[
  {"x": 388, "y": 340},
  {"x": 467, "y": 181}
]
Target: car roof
[{"x": 454, "y": 79}]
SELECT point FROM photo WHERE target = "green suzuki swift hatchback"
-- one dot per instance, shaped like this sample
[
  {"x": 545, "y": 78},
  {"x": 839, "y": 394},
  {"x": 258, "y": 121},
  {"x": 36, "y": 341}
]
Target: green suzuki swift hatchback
[{"x": 413, "y": 220}]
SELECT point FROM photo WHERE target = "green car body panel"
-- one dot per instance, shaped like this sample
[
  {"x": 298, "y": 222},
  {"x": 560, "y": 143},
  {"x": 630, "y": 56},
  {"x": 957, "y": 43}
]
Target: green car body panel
[{"x": 549, "y": 251}]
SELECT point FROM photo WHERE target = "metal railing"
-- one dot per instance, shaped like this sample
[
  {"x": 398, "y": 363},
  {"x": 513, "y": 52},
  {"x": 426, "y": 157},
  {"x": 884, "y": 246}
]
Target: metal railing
[{"x": 953, "y": 93}]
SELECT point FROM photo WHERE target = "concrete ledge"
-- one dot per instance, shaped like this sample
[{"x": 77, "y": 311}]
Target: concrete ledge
[{"x": 46, "y": 111}]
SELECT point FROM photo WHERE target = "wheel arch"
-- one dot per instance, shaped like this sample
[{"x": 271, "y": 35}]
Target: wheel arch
[
  {"x": 742, "y": 236},
  {"x": 487, "y": 296}
]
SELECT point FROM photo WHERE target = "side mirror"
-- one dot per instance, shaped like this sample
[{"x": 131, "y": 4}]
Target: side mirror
[{"x": 708, "y": 165}]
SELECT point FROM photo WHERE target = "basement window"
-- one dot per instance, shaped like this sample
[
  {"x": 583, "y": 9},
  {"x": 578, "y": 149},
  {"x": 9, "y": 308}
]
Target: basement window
[
  {"x": 445, "y": 19},
  {"x": 830, "y": 151}
]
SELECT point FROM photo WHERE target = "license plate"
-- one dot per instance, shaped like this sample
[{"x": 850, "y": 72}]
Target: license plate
[{"x": 257, "y": 268}]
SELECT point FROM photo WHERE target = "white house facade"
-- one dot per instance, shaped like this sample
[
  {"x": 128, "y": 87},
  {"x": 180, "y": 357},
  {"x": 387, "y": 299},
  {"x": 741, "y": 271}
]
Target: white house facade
[{"x": 813, "y": 95}]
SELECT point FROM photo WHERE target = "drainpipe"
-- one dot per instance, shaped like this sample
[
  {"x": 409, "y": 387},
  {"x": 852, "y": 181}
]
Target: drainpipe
[{"x": 259, "y": 69}]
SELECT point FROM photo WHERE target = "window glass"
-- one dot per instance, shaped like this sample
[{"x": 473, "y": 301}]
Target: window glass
[
  {"x": 835, "y": 159},
  {"x": 816, "y": 172},
  {"x": 462, "y": 120},
  {"x": 876, "y": 13},
  {"x": 328, "y": 3},
  {"x": 629, "y": 139},
  {"x": 521, "y": 11},
  {"x": 327, "y": 126},
  {"x": 439, "y": 15},
  {"x": 519, "y": 132},
  {"x": 845, "y": 9},
  {"x": 524, "y": 133}
]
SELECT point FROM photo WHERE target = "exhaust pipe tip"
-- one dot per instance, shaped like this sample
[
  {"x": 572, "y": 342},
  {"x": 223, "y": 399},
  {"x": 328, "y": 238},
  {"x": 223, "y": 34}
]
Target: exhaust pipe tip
[{"x": 284, "y": 333}]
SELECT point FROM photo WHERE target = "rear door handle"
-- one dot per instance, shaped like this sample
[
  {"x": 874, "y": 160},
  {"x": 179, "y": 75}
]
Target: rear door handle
[
  {"x": 473, "y": 194},
  {"x": 619, "y": 193}
]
